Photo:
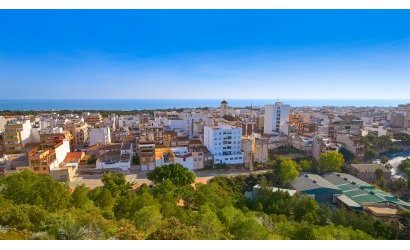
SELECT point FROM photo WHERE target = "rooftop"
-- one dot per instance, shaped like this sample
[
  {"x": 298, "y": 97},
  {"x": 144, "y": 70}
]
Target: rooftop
[
  {"x": 368, "y": 167},
  {"x": 361, "y": 192},
  {"x": 307, "y": 181}
]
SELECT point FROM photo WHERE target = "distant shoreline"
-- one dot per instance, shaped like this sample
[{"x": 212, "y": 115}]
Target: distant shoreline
[{"x": 46, "y": 105}]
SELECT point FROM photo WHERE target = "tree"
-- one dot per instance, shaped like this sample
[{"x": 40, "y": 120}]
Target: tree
[
  {"x": 347, "y": 155},
  {"x": 284, "y": 170},
  {"x": 173, "y": 229},
  {"x": 126, "y": 206},
  {"x": 208, "y": 224},
  {"x": 79, "y": 198},
  {"x": 36, "y": 189},
  {"x": 136, "y": 160},
  {"x": 103, "y": 198},
  {"x": 370, "y": 154},
  {"x": 248, "y": 228},
  {"x": 399, "y": 186},
  {"x": 384, "y": 159},
  {"x": 380, "y": 179},
  {"x": 331, "y": 161},
  {"x": 306, "y": 165},
  {"x": 404, "y": 219},
  {"x": 404, "y": 164},
  {"x": 178, "y": 174},
  {"x": 116, "y": 183},
  {"x": 148, "y": 218},
  {"x": 306, "y": 209},
  {"x": 304, "y": 232}
]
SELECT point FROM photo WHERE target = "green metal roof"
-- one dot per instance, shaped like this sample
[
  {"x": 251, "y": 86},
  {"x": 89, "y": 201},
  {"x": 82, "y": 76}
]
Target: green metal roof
[{"x": 361, "y": 192}]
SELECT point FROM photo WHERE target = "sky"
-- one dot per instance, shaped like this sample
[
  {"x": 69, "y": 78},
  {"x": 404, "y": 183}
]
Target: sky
[{"x": 207, "y": 54}]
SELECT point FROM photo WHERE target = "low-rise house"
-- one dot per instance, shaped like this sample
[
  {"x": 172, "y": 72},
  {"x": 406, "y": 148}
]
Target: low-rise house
[
  {"x": 199, "y": 155},
  {"x": 68, "y": 168},
  {"x": 367, "y": 172},
  {"x": 180, "y": 155},
  {"x": 116, "y": 159},
  {"x": 146, "y": 153}
]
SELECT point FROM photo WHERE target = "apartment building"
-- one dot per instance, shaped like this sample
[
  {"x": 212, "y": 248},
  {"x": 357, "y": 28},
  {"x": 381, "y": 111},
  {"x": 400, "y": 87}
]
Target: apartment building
[
  {"x": 17, "y": 133},
  {"x": 224, "y": 142},
  {"x": 276, "y": 118},
  {"x": 79, "y": 131},
  {"x": 352, "y": 143},
  {"x": 146, "y": 153},
  {"x": 39, "y": 159},
  {"x": 99, "y": 135},
  {"x": 92, "y": 118}
]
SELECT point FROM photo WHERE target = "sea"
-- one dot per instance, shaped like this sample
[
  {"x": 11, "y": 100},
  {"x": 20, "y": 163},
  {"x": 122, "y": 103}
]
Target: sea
[{"x": 151, "y": 104}]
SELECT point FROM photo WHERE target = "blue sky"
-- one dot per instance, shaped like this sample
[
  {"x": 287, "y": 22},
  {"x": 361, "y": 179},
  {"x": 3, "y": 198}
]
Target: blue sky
[{"x": 235, "y": 54}]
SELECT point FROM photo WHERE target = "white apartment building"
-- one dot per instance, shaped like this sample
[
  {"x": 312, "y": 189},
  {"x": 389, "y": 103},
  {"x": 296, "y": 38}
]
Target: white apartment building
[
  {"x": 99, "y": 135},
  {"x": 128, "y": 121},
  {"x": 61, "y": 150},
  {"x": 224, "y": 142},
  {"x": 276, "y": 118}
]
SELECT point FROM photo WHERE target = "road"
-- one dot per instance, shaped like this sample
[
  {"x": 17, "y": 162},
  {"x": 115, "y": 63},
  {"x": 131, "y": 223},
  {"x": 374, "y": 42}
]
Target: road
[{"x": 93, "y": 181}]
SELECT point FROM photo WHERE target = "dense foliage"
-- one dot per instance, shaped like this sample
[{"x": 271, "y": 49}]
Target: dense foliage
[
  {"x": 331, "y": 161},
  {"x": 37, "y": 207}
]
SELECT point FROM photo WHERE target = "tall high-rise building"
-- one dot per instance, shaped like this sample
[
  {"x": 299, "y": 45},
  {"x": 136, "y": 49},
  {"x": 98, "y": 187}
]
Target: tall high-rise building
[
  {"x": 276, "y": 118},
  {"x": 224, "y": 142}
]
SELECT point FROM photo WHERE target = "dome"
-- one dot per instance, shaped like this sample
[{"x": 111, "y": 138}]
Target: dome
[{"x": 224, "y": 102}]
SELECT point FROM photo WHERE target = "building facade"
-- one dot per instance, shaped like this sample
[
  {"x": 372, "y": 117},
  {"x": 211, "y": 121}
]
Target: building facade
[
  {"x": 224, "y": 142},
  {"x": 276, "y": 118}
]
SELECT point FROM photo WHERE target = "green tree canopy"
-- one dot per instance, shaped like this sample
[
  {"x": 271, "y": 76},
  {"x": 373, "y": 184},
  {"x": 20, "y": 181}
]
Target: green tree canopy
[
  {"x": 36, "y": 189},
  {"x": 284, "y": 170},
  {"x": 176, "y": 173},
  {"x": 331, "y": 161},
  {"x": 116, "y": 183}
]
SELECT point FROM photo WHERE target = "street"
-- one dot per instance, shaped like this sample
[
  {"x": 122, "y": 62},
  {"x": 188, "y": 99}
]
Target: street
[{"x": 140, "y": 177}]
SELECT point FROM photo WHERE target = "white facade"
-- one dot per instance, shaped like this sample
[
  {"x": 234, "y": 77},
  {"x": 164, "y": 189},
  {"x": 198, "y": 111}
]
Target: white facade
[
  {"x": 3, "y": 123},
  {"x": 183, "y": 157},
  {"x": 35, "y": 135},
  {"x": 224, "y": 142},
  {"x": 276, "y": 118},
  {"x": 99, "y": 135},
  {"x": 192, "y": 118},
  {"x": 177, "y": 124},
  {"x": 62, "y": 150},
  {"x": 129, "y": 121},
  {"x": 123, "y": 162}
]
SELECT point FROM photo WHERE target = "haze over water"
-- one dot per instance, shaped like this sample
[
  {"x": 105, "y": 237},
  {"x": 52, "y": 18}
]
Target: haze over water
[{"x": 141, "y": 104}]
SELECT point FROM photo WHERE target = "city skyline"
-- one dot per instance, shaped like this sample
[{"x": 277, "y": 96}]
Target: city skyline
[{"x": 205, "y": 54}]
